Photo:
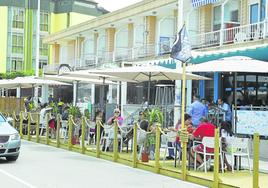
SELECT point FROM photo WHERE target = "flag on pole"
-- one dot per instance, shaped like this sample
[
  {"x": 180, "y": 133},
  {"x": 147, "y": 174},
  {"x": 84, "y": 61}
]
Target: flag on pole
[{"x": 181, "y": 49}]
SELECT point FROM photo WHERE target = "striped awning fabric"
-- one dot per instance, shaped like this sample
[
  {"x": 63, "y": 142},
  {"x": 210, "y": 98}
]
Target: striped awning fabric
[{"x": 199, "y": 3}]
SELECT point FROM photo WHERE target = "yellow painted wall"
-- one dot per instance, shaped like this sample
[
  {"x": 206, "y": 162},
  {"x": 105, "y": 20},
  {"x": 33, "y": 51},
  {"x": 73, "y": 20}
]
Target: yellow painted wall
[
  {"x": 3, "y": 38},
  {"x": 76, "y": 18},
  {"x": 58, "y": 22}
]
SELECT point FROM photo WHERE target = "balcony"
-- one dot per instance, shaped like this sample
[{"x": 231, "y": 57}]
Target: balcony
[
  {"x": 112, "y": 59},
  {"x": 234, "y": 35}
]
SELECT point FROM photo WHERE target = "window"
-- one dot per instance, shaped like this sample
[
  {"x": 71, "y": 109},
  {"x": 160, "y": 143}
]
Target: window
[
  {"x": 44, "y": 20},
  {"x": 16, "y": 64},
  {"x": 17, "y": 43},
  {"x": 17, "y": 18},
  {"x": 263, "y": 10},
  {"x": 217, "y": 18},
  {"x": 43, "y": 48}
]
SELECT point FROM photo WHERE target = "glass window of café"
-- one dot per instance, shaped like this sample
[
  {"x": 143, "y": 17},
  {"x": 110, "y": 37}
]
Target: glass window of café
[
  {"x": 204, "y": 89},
  {"x": 252, "y": 89},
  {"x": 137, "y": 93}
]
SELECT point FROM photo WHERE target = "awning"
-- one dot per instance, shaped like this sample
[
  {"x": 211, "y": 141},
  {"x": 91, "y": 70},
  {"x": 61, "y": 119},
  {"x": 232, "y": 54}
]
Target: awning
[
  {"x": 199, "y": 3},
  {"x": 259, "y": 52}
]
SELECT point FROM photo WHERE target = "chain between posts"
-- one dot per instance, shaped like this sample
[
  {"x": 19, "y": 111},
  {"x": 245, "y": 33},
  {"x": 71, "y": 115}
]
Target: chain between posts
[
  {"x": 216, "y": 159},
  {"x": 135, "y": 160},
  {"x": 98, "y": 121},
  {"x": 157, "y": 149},
  {"x": 83, "y": 149},
  {"x": 70, "y": 135},
  {"x": 115, "y": 149},
  {"x": 58, "y": 131},
  {"x": 256, "y": 150}
]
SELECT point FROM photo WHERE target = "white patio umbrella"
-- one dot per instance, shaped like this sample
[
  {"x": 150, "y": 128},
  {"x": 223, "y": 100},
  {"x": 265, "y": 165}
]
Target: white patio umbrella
[
  {"x": 147, "y": 73},
  {"x": 103, "y": 77},
  {"x": 27, "y": 82},
  {"x": 70, "y": 79},
  {"x": 233, "y": 64}
]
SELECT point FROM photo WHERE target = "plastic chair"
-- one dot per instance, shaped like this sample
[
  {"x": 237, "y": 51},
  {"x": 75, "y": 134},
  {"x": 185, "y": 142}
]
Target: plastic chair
[
  {"x": 238, "y": 147},
  {"x": 123, "y": 133},
  {"x": 108, "y": 136},
  {"x": 141, "y": 138},
  {"x": 208, "y": 142},
  {"x": 169, "y": 137}
]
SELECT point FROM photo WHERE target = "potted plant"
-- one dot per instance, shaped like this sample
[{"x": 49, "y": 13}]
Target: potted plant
[
  {"x": 154, "y": 116},
  {"x": 76, "y": 113}
]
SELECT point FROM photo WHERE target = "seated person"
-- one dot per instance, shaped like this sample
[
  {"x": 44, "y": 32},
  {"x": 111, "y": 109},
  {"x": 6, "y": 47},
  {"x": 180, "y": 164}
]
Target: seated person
[
  {"x": 190, "y": 129},
  {"x": 117, "y": 116},
  {"x": 205, "y": 129},
  {"x": 226, "y": 135}
]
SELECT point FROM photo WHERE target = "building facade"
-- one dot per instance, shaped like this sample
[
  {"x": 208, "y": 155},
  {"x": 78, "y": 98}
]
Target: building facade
[
  {"x": 230, "y": 28},
  {"x": 143, "y": 34},
  {"x": 18, "y": 29}
]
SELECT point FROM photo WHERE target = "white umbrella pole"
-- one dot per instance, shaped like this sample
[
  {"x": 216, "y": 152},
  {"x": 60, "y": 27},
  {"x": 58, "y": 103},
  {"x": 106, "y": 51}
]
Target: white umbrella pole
[
  {"x": 149, "y": 87},
  {"x": 235, "y": 99}
]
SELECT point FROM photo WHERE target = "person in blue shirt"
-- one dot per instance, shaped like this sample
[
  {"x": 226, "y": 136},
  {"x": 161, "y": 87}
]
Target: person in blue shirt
[
  {"x": 197, "y": 111},
  {"x": 205, "y": 102},
  {"x": 225, "y": 108}
]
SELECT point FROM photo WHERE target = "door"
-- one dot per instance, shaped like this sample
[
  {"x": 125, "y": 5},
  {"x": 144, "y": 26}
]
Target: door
[{"x": 254, "y": 13}]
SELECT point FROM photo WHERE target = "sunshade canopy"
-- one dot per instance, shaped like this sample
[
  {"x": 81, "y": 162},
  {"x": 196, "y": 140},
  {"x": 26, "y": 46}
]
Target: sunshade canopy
[
  {"x": 27, "y": 82},
  {"x": 102, "y": 77},
  {"x": 231, "y": 64},
  {"x": 70, "y": 79},
  {"x": 146, "y": 73}
]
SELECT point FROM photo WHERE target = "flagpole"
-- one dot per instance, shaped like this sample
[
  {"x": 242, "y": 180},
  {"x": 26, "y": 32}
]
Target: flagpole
[{"x": 184, "y": 142}]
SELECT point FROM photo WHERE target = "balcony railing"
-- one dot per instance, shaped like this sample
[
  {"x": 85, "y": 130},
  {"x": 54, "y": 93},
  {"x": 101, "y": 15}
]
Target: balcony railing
[{"x": 238, "y": 34}]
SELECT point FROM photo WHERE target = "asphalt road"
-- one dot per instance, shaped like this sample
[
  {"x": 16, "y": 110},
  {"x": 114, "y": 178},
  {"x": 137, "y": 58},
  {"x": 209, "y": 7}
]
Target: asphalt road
[{"x": 48, "y": 167}]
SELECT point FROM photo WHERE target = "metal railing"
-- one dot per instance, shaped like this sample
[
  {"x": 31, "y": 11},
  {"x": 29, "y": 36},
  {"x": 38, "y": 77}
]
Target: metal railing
[{"x": 238, "y": 34}]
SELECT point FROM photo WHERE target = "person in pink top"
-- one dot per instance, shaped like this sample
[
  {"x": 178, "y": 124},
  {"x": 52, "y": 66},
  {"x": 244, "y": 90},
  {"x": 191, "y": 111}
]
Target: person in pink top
[
  {"x": 205, "y": 129},
  {"x": 117, "y": 117}
]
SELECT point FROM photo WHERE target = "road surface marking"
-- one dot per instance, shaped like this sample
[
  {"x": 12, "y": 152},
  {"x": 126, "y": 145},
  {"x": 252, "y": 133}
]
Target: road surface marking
[{"x": 17, "y": 179}]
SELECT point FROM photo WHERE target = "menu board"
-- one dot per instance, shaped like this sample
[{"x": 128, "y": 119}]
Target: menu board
[{"x": 250, "y": 122}]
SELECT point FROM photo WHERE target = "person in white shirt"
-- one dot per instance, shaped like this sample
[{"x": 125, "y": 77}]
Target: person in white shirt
[{"x": 226, "y": 135}]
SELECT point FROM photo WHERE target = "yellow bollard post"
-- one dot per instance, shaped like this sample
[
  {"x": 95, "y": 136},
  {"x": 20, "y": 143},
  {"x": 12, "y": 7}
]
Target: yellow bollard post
[
  {"x": 21, "y": 122},
  {"x": 29, "y": 126},
  {"x": 70, "y": 135},
  {"x": 157, "y": 149},
  {"x": 98, "y": 138},
  {"x": 115, "y": 148},
  {"x": 135, "y": 130},
  {"x": 256, "y": 142},
  {"x": 83, "y": 149},
  {"x": 47, "y": 130},
  {"x": 216, "y": 159},
  {"x": 58, "y": 131},
  {"x": 37, "y": 127}
]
